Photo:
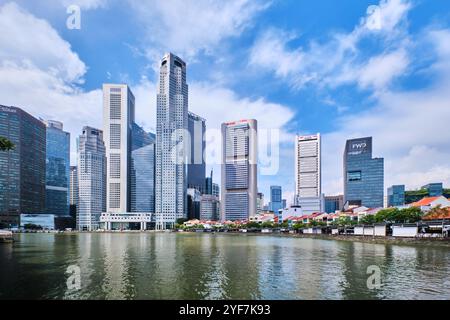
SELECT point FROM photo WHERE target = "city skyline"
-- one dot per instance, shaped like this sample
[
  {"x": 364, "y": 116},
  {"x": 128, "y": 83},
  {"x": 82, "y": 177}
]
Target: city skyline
[{"x": 345, "y": 104}]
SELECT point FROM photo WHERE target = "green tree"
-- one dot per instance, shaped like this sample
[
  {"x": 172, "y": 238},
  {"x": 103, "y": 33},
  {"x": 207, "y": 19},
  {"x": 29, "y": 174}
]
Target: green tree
[
  {"x": 368, "y": 219},
  {"x": 5, "y": 144},
  {"x": 410, "y": 215},
  {"x": 267, "y": 225},
  {"x": 387, "y": 215},
  {"x": 299, "y": 226},
  {"x": 344, "y": 221},
  {"x": 252, "y": 225},
  {"x": 394, "y": 215}
]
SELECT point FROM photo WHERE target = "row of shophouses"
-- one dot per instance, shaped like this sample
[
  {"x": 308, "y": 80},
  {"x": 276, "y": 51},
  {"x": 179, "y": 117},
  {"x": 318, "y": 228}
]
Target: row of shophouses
[{"x": 430, "y": 226}]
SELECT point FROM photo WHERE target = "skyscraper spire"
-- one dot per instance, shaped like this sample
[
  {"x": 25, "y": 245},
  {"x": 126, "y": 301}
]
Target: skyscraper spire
[{"x": 172, "y": 124}]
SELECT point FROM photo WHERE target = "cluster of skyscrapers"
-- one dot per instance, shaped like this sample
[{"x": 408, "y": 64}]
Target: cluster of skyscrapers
[
  {"x": 122, "y": 170},
  {"x": 125, "y": 175}
]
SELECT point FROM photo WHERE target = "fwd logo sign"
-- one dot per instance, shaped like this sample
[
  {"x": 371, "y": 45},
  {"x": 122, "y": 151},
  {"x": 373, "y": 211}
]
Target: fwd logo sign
[{"x": 361, "y": 145}]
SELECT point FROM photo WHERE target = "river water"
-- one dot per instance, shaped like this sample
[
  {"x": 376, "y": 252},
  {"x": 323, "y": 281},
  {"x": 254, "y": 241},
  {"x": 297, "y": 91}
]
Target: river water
[{"x": 217, "y": 266}]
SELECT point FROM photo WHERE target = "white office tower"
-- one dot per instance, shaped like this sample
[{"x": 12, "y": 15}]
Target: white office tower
[
  {"x": 308, "y": 180},
  {"x": 91, "y": 179},
  {"x": 171, "y": 127},
  {"x": 239, "y": 170},
  {"x": 118, "y": 119}
]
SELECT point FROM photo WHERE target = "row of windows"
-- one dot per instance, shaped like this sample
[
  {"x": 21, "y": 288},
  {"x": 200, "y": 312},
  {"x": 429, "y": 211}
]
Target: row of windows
[
  {"x": 114, "y": 136},
  {"x": 115, "y": 102},
  {"x": 114, "y": 195},
  {"x": 114, "y": 166}
]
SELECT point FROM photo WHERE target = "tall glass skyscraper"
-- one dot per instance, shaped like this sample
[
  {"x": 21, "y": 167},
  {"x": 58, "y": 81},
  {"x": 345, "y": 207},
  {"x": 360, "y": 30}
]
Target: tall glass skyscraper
[
  {"x": 196, "y": 166},
  {"x": 363, "y": 175},
  {"x": 276, "y": 198},
  {"x": 142, "y": 171},
  {"x": 91, "y": 179},
  {"x": 171, "y": 128},
  {"x": 239, "y": 170},
  {"x": 57, "y": 196},
  {"x": 118, "y": 119},
  {"x": 22, "y": 170}
]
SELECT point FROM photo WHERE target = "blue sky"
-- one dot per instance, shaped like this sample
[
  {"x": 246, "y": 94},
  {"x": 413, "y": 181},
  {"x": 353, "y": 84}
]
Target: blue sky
[{"x": 344, "y": 68}]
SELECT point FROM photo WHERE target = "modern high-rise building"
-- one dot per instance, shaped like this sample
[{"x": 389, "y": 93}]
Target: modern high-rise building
[
  {"x": 73, "y": 191},
  {"x": 208, "y": 185},
  {"x": 334, "y": 203},
  {"x": 276, "y": 199},
  {"x": 171, "y": 128},
  {"x": 215, "y": 190},
  {"x": 57, "y": 179},
  {"x": 194, "y": 198},
  {"x": 142, "y": 171},
  {"x": 259, "y": 202},
  {"x": 209, "y": 207},
  {"x": 308, "y": 174},
  {"x": 363, "y": 175},
  {"x": 196, "y": 167},
  {"x": 91, "y": 179},
  {"x": 22, "y": 170},
  {"x": 434, "y": 189},
  {"x": 118, "y": 119},
  {"x": 239, "y": 170},
  {"x": 396, "y": 196}
]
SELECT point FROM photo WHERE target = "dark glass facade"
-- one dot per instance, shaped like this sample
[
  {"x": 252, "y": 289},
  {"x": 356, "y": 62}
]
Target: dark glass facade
[
  {"x": 334, "y": 203},
  {"x": 363, "y": 175},
  {"x": 22, "y": 170},
  {"x": 142, "y": 171},
  {"x": 276, "y": 198},
  {"x": 396, "y": 196},
  {"x": 196, "y": 168},
  {"x": 57, "y": 180},
  {"x": 434, "y": 189}
]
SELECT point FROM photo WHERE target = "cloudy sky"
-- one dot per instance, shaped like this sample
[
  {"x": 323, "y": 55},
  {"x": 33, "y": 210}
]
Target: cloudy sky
[{"x": 344, "y": 68}]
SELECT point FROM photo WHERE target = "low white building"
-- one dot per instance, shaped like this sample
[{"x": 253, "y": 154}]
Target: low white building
[
  {"x": 405, "y": 230},
  {"x": 123, "y": 221}
]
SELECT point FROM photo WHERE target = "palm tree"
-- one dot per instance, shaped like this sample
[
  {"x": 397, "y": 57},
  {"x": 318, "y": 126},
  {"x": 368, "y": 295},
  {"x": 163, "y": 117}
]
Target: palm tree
[{"x": 5, "y": 144}]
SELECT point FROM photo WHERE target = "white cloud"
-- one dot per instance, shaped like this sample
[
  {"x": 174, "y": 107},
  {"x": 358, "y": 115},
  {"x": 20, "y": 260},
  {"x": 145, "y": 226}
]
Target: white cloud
[
  {"x": 340, "y": 59},
  {"x": 45, "y": 84},
  {"x": 381, "y": 70},
  {"x": 410, "y": 129},
  {"x": 189, "y": 27},
  {"x": 33, "y": 42},
  {"x": 39, "y": 72}
]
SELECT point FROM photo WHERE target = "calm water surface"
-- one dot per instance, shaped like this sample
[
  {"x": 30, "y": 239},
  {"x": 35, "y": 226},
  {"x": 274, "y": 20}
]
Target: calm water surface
[{"x": 206, "y": 266}]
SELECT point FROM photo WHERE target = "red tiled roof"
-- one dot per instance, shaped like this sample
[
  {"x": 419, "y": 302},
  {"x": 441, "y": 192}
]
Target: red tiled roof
[
  {"x": 424, "y": 202},
  {"x": 441, "y": 214}
]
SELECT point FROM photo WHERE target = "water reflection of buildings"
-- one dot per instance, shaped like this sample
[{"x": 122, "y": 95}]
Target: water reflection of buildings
[
  {"x": 240, "y": 267},
  {"x": 114, "y": 284},
  {"x": 356, "y": 258}
]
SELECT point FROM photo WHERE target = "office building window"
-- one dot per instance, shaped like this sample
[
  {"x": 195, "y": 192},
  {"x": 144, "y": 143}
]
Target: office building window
[{"x": 354, "y": 176}]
